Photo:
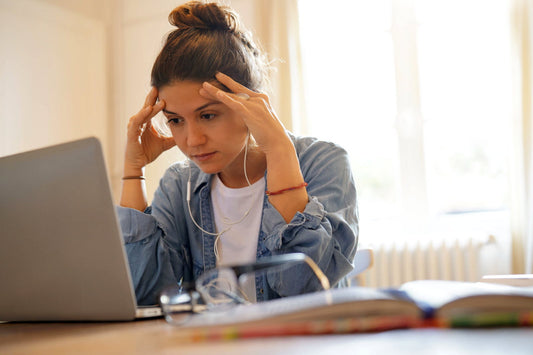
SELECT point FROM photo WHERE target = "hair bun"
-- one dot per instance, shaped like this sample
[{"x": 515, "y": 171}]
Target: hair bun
[{"x": 205, "y": 16}]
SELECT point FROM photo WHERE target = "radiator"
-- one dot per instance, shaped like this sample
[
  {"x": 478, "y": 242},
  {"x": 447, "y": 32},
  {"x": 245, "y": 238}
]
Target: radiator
[{"x": 394, "y": 264}]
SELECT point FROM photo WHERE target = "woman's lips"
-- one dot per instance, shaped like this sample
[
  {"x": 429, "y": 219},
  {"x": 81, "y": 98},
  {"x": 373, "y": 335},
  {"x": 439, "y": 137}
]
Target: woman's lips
[{"x": 203, "y": 157}]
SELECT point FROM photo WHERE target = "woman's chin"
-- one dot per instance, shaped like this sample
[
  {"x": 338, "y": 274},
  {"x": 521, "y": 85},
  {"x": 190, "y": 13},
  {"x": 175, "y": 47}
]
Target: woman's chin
[{"x": 208, "y": 168}]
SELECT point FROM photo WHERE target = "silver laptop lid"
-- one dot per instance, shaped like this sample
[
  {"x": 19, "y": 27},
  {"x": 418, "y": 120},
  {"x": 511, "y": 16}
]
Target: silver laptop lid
[{"x": 61, "y": 250}]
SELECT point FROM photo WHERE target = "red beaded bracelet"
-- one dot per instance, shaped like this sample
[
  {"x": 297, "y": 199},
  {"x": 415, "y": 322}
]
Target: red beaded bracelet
[{"x": 304, "y": 184}]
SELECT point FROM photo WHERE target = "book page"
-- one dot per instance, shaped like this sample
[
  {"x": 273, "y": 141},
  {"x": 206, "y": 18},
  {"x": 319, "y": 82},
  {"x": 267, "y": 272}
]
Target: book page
[
  {"x": 335, "y": 303},
  {"x": 435, "y": 295}
]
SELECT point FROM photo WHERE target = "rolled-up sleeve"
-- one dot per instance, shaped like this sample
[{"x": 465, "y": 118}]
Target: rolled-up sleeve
[
  {"x": 327, "y": 229},
  {"x": 149, "y": 257},
  {"x": 135, "y": 224},
  {"x": 154, "y": 243}
]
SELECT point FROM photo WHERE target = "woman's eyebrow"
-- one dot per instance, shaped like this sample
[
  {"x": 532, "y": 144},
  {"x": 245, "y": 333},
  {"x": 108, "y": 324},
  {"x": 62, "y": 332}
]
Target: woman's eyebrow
[
  {"x": 167, "y": 112},
  {"x": 207, "y": 105}
]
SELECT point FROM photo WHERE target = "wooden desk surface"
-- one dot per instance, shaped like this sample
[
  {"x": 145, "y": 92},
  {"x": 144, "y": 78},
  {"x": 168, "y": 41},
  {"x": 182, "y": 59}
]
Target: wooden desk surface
[{"x": 158, "y": 337}]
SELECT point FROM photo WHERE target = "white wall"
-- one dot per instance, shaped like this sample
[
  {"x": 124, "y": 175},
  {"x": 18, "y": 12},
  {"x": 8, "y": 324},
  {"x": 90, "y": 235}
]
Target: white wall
[{"x": 53, "y": 85}]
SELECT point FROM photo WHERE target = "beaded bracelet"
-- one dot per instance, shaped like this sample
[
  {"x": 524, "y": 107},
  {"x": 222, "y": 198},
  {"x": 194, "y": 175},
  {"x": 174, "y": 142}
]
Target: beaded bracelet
[
  {"x": 268, "y": 193},
  {"x": 133, "y": 178}
]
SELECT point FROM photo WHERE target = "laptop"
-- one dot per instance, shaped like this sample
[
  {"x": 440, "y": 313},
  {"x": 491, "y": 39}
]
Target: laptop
[{"x": 61, "y": 250}]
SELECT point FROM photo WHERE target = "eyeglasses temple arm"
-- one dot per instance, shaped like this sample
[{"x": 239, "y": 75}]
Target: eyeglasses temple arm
[
  {"x": 265, "y": 263},
  {"x": 277, "y": 260}
]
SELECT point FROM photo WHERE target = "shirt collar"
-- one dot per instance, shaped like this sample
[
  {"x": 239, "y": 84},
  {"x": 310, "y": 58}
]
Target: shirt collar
[{"x": 201, "y": 180}]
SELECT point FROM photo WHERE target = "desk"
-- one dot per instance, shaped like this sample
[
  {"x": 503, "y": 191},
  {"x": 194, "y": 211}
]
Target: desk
[{"x": 158, "y": 337}]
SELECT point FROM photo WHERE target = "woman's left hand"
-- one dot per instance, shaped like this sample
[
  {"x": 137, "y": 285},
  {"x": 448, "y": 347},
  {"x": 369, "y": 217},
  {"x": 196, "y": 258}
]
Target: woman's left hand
[{"x": 255, "y": 110}]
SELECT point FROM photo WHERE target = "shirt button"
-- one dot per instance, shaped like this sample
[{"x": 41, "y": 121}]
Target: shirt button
[{"x": 261, "y": 290}]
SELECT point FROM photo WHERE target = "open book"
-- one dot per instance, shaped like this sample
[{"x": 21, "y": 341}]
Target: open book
[{"x": 361, "y": 309}]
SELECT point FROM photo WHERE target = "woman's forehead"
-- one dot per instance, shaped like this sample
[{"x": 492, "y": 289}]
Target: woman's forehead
[{"x": 183, "y": 97}]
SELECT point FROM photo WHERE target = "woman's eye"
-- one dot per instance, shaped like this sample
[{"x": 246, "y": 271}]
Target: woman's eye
[
  {"x": 174, "y": 121},
  {"x": 208, "y": 116}
]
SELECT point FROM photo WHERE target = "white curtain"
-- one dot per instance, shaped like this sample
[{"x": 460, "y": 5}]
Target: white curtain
[
  {"x": 275, "y": 23},
  {"x": 522, "y": 159}
]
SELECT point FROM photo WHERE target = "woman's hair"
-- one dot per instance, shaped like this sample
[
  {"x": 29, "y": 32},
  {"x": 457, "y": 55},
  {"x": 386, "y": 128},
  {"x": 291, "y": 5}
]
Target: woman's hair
[{"x": 209, "y": 39}]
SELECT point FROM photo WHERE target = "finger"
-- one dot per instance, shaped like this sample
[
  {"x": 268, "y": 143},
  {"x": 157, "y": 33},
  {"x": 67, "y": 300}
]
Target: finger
[
  {"x": 243, "y": 96},
  {"x": 158, "y": 107},
  {"x": 208, "y": 90},
  {"x": 237, "y": 88},
  {"x": 233, "y": 101},
  {"x": 145, "y": 115},
  {"x": 151, "y": 98},
  {"x": 137, "y": 120},
  {"x": 168, "y": 143},
  {"x": 233, "y": 85}
]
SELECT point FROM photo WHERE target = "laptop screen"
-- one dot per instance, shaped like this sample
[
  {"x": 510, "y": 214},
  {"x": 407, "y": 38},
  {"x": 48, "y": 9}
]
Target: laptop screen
[{"x": 62, "y": 255}]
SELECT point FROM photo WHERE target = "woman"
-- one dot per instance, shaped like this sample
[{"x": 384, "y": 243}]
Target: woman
[{"x": 249, "y": 188}]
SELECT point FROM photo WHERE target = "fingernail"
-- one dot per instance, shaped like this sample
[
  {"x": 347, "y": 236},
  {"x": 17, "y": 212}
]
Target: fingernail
[{"x": 221, "y": 93}]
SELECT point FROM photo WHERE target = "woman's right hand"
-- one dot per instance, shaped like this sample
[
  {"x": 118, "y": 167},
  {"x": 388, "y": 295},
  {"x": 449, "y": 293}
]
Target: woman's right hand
[{"x": 144, "y": 144}]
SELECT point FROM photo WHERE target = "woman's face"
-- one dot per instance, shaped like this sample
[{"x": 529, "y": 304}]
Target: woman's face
[{"x": 206, "y": 131}]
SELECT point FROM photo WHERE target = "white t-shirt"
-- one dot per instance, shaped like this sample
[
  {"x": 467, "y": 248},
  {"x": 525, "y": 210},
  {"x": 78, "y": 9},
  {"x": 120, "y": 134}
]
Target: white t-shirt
[{"x": 238, "y": 213}]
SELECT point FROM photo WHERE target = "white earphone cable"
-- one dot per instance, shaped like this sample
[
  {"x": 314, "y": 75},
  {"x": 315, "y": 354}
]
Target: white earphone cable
[{"x": 226, "y": 220}]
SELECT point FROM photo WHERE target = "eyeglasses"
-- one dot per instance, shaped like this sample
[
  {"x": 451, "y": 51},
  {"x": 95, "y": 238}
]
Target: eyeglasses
[{"x": 226, "y": 286}]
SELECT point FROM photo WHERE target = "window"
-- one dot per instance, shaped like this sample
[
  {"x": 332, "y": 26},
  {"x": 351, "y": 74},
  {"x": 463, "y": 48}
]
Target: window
[{"x": 418, "y": 92}]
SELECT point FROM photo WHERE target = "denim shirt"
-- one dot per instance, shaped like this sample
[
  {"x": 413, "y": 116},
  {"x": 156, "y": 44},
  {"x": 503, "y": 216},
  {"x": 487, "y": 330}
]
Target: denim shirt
[{"x": 164, "y": 246}]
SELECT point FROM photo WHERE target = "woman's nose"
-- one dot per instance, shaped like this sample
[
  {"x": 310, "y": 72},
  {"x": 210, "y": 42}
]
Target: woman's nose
[{"x": 195, "y": 135}]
